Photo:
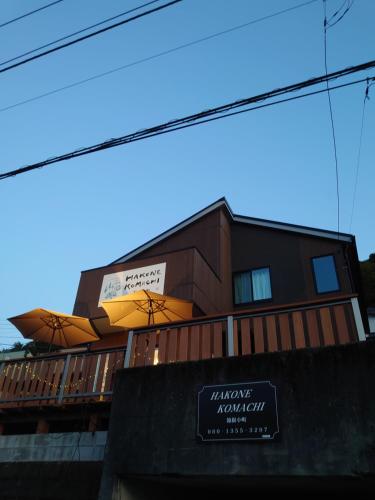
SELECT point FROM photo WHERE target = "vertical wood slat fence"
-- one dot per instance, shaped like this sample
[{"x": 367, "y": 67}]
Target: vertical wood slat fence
[
  {"x": 252, "y": 334},
  {"x": 84, "y": 377},
  {"x": 54, "y": 380}
]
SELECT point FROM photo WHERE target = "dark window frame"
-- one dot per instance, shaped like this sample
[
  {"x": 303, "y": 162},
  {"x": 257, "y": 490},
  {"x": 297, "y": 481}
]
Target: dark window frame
[
  {"x": 338, "y": 289},
  {"x": 257, "y": 301}
]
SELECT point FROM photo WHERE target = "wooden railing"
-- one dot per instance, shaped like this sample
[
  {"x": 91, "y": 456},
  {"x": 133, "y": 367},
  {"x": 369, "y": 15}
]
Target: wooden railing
[
  {"x": 52, "y": 380},
  {"x": 85, "y": 377},
  {"x": 264, "y": 330}
]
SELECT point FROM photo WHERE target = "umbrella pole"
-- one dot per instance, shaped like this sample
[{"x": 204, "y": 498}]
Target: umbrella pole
[
  {"x": 50, "y": 344},
  {"x": 149, "y": 312}
]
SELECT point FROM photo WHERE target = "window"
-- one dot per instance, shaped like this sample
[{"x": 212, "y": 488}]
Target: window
[
  {"x": 252, "y": 286},
  {"x": 325, "y": 274}
]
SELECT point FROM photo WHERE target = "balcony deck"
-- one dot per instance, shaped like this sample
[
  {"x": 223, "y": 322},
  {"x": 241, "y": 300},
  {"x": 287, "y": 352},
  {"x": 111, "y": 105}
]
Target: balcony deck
[{"x": 88, "y": 377}]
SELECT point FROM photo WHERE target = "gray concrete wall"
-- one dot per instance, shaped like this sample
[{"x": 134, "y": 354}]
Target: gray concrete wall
[
  {"x": 326, "y": 416},
  {"x": 51, "y": 466},
  {"x": 64, "y": 447}
]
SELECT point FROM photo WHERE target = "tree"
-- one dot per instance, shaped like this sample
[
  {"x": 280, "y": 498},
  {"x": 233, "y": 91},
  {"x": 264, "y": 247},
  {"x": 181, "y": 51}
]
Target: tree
[
  {"x": 36, "y": 347},
  {"x": 17, "y": 346},
  {"x": 368, "y": 280}
]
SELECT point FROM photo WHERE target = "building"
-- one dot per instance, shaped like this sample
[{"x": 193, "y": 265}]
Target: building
[
  {"x": 284, "y": 292},
  {"x": 228, "y": 263}
]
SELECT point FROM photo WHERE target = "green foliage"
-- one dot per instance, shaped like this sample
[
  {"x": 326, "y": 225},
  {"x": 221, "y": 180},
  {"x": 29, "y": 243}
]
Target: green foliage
[
  {"x": 36, "y": 347},
  {"x": 17, "y": 346},
  {"x": 368, "y": 280},
  {"x": 33, "y": 348}
]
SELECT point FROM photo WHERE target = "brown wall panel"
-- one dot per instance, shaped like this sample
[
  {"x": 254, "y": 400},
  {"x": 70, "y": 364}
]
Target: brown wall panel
[
  {"x": 325, "y": 318},
  {"x": 271, "y": 334},
  {"x": 183, "y": 347},
  {"x": 299, "y": 331},
  {"x": 258, "y": 334},
  {"x": 218, "y": 340},
  {"x": 206, "y": 341},
  {"x": 202, "y": 234},
  {"x": 225, "y": 242},
  {"x": 286, "y": 341},
  {"x": 118, "y": 339},
  {"x": 245, "y": 336},
  {"x": 289, "y": 257},
  {"x": 140, "y": 352},
  {"x": 202, "y": 257},
  {"x": 172, "y": 345},
  {"x": 312, "y": 327},
  {"x": 150, "y": 356},
  {"x": 194, "y": 342},
  {"x": 162, "y": 355},
  {"x": 342, "y": 327},
  {"x": 188, "y": 276}
]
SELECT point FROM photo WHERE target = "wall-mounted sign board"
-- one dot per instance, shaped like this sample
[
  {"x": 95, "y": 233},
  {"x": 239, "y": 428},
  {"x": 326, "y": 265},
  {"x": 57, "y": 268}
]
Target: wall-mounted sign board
[
  {"x": 232, "y": 412},
  {"x": 142, "y": 278}
]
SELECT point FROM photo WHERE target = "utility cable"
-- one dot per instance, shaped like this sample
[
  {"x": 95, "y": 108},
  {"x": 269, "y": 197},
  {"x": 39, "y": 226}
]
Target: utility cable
[
  {"x": 30, "y": 13},
  {"x": 326, "y": 25},
  {"x": 366, "y": 98},
  {"x": 85, "y": 37},
  {"x": 349, "y": 4},
  {"x": 196, "y": 118},
  {"x": 154, "y": 56},
  {"x": 77, "y": 32},
  {"x": 332, "y": 122}
]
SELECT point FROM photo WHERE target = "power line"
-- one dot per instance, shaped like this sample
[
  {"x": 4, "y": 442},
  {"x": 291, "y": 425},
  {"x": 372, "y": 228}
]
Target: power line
[
  {"x": 77, "y": 32},
  {"x": 326, "y": 25},
  {"x": 7, "y": 343},
  {"x": 82, "y": 38},
  {"x": 330, "y": 23},
  {"x": 8, "y": 338},
  {"x": 30, "y": 13},
  {"x": 332, "y": 122},
  {"x": 154, "y": 56},
  {"x": 366, "y": 98},
  {"x": 197, "y": 118}
]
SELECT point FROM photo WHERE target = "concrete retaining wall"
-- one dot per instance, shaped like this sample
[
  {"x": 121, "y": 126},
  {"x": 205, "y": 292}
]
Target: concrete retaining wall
[
  {"x": 326, "y": 416},
  {"x": 59, "y": 447},
  {"x": 51, "y": 466}
]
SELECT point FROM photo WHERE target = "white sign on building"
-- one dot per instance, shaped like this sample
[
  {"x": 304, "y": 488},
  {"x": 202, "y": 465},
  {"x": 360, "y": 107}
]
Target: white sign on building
[{"x": 143, "y": 278}]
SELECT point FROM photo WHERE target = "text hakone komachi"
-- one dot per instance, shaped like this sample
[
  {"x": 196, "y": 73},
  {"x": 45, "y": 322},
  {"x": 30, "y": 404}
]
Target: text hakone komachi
[
  {"x": 143, "y": 280},
  {"x": 137, "y": 280},
  {"x": 232, "y": 407}
]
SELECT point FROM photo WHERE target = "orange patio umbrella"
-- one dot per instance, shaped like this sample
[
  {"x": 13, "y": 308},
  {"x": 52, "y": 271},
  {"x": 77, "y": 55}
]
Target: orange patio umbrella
[
  {"x": 145, "y": 308},
  {"x": 55, "y": 328}
]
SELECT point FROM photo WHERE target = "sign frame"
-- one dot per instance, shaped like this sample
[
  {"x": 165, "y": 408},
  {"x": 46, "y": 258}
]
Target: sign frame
[
  {"x": 225, "y": 427},
  {"x": 150, "y": 277}
]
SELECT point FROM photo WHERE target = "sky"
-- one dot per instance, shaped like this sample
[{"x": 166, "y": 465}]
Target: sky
[{"x": 277, "y": 163}]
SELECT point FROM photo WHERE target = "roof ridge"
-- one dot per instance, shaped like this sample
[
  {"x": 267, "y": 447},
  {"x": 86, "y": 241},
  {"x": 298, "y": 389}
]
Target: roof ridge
[
  {"x": 177, "y": 227},
  {"x": 222, "y": 202}
]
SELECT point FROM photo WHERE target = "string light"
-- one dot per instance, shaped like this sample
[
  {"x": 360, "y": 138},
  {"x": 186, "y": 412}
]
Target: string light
[{"x": 31, "y": 377}]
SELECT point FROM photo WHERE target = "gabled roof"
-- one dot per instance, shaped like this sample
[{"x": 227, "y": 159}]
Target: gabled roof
[{"x": 222, "y": 203}]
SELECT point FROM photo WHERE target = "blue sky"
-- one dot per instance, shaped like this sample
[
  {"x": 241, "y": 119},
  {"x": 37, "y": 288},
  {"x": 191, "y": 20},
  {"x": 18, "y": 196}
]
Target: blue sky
[{"x": 276, "y": 163}]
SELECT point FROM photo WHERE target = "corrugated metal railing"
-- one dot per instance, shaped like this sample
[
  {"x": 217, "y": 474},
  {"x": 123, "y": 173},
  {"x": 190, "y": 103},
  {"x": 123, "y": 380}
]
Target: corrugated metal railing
[{"x": 84, "y": 377}]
